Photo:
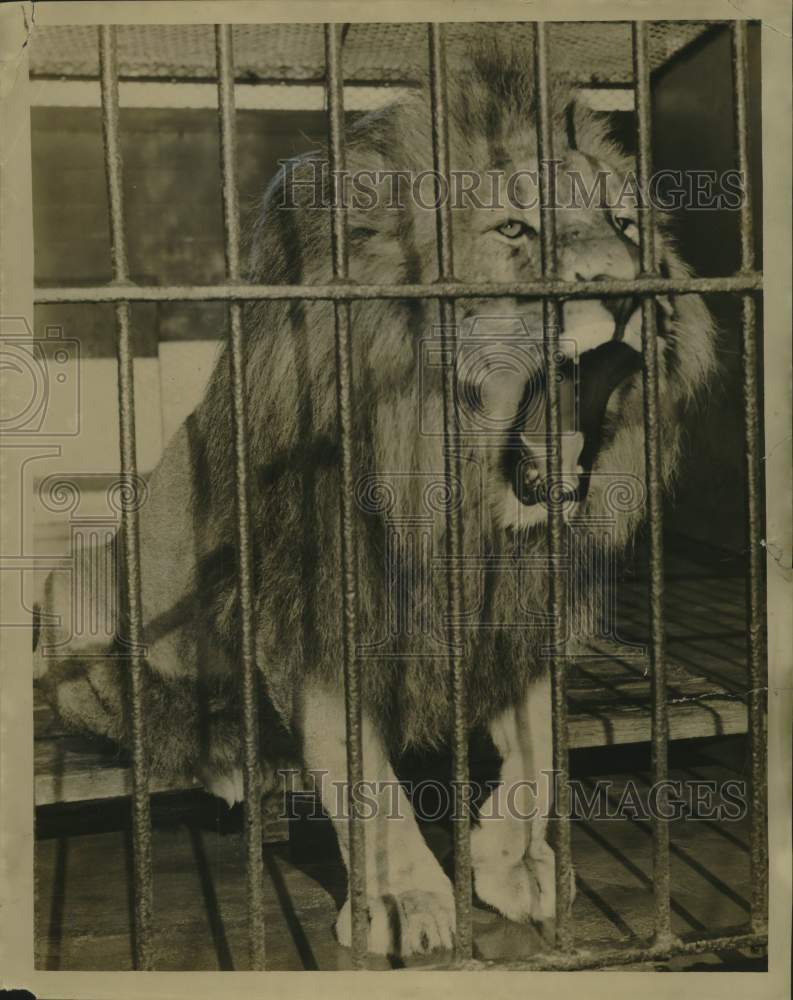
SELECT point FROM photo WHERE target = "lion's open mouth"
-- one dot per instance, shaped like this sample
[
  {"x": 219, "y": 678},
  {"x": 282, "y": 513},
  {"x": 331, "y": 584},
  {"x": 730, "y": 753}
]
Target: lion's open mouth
[{"x": 584, "y": 391}]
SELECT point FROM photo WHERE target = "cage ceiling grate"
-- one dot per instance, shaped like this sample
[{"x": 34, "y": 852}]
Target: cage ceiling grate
[{"x": 591, "y": 53}]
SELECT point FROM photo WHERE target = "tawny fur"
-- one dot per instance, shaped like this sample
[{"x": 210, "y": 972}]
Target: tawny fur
[{"x": 294, "y": 454}]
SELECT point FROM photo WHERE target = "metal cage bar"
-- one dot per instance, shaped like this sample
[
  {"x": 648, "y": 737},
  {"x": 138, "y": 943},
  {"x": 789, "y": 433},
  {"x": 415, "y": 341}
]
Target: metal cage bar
[
  {"x": 334, "y": 85},
  {"x": 463, "y": 938},
  {"x": 141, "y": 806},
  {"x": 754, "y": 513},
  {"x": 350, "y": 291},
  {"x": 250, "y": 681},
  {"x": 659, "y": 738},
  {"x": 342, "y": 291},
  {"x": 557, "y": 587},
  {"x": 605, "y": 956}
]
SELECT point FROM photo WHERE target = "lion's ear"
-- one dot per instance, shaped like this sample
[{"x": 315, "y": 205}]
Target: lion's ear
[{"x": 580, "y": 123}]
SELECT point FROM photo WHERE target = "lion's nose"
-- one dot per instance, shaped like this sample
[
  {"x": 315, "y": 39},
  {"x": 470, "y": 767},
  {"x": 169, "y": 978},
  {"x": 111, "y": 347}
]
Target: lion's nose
[
  {"x": 593, "y": 321},
  {"x": 598, "y": 259}
]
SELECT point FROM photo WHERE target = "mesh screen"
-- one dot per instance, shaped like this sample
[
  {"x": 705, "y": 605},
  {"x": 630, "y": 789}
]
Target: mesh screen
[{"x": 591, "y": 53}]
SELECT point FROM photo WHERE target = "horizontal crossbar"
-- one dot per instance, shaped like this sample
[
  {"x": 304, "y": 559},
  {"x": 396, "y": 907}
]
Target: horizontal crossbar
[{"x": 749, "y": 281}]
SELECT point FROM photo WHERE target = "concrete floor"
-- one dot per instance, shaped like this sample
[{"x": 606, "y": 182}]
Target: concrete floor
[{"x": 85, "y": 893}]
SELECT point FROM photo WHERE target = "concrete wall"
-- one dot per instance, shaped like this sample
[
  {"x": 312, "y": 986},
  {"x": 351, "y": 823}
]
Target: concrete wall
[{"x": 172, "y": 189}]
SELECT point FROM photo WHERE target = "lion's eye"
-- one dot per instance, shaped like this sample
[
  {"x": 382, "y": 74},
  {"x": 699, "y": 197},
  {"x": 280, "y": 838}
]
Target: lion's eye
[
  {"x": 513, "y": 230},
  {"x": 627, "y": 226}
]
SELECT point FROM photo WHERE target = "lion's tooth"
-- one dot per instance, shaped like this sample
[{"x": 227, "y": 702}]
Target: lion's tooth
[{"x": 666, "y": 304}]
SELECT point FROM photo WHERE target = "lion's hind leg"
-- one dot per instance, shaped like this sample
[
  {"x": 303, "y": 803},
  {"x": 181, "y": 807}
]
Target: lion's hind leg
[
  {"x": 410, "y": 900},
  {"x": 190, "y": 730}
]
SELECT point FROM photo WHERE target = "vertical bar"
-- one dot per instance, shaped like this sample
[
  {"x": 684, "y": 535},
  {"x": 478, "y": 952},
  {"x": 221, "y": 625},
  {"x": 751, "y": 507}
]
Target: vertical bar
[
  {"x": 250, "y": 682},
  {"x": 141, "y": 817},
  {"x": 334, "y": 83},
  {"x": 451, "y": 468},
  {"x": 754, "y": 514},
  {"x": 652, "y": 458},
  {"x": 556, "y": 592}
]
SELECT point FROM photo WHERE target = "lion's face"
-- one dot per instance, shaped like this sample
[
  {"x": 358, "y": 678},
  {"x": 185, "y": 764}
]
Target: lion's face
[{"x": 502, "y": 370}]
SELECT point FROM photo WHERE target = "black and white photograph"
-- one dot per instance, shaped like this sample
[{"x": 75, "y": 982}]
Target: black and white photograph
[{"x": 396, "y": 491}]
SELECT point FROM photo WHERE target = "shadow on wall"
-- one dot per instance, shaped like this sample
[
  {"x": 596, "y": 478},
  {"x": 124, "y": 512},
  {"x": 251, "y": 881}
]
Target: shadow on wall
[{"x": 694, "y": 131}]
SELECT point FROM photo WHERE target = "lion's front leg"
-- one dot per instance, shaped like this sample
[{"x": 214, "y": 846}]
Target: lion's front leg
[
  {"x": 514, "y": 866},
  {"x": 411, "y": 905}
]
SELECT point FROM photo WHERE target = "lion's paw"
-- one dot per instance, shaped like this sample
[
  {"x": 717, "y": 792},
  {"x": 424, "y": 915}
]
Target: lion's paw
[
  {"x": 522, "y": 891},
  {"x": 513, "y": 890},
  {"x": 412, "y": 922},
  {"x": 227, "y": 785},
  {"x": 542, "y": 861}
]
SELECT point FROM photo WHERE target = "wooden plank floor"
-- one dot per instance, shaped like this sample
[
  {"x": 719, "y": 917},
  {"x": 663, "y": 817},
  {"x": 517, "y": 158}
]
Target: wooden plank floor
[{"x": 85, "y": 893}]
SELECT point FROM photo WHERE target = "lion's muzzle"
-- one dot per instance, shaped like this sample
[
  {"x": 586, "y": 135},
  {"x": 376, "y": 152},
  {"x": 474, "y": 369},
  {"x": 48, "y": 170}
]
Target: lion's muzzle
[{"x": 584, "y": 391}]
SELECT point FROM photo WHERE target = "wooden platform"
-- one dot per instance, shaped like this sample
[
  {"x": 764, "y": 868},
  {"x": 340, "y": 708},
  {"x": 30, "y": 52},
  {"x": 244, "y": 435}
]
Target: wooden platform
[
  {"x": 84, "y": 887},
  {"x": 609, "y": 692}
]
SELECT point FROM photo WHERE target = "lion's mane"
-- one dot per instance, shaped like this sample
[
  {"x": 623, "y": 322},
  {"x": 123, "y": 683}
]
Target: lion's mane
[{"x": 398, "y": 510}]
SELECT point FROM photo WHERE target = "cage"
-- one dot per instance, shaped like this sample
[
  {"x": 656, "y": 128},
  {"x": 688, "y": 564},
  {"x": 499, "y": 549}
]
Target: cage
[{"x": 169, "y": 295}]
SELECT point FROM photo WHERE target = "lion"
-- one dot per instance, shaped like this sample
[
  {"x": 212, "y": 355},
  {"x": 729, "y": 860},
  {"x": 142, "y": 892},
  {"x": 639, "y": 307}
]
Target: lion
[{"x": 187, "y": 524}]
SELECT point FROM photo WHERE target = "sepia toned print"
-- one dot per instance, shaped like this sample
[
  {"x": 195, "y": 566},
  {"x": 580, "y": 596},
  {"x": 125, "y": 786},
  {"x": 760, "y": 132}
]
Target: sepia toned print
[{"x": 399, "y": 590}]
